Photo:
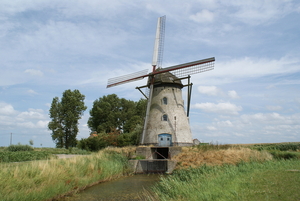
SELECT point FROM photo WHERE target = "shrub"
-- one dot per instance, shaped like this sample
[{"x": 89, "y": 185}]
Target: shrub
[
  {"x": 207, "y": 146},
  {"x": 19, "y": 147},
  {"x": 92, "y": 144},
  {"x": 280, "y": 147},
  {"x": 6, "y": 156},
  {"x": 284, "y": 155},
  {"x": 127, "y": 139}
]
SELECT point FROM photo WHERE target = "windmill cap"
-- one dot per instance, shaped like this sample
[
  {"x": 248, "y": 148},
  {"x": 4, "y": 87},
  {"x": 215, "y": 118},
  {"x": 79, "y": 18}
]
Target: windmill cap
[{"x": 166, "y": 79}]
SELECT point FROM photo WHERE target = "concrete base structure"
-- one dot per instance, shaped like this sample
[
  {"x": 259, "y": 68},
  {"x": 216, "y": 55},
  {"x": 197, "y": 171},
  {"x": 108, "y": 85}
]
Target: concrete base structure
[
  {"x": 152, "y": 166},
  {"x": 157, "y": 159},
  {"x": 158, "y": 152}
]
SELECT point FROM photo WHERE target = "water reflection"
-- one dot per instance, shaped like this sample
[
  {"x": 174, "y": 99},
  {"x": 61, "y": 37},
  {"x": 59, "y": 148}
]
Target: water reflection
[{"x": 123, "y": 189}]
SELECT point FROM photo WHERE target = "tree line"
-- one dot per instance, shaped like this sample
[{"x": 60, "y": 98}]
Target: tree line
[{"x": 113, "y": 121}]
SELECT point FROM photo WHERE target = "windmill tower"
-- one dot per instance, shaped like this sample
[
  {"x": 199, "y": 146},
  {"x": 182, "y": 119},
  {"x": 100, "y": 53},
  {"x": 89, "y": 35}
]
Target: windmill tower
[{"x": 166, "y": 122}]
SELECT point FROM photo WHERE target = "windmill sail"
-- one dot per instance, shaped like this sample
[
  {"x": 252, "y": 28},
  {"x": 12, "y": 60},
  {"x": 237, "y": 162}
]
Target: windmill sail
[
  {"x": 156, "y": 62},
  {"x": 127, "y": 78},
  {"x": 190, "y": 68},
  {"x": 159, "y": 42}
]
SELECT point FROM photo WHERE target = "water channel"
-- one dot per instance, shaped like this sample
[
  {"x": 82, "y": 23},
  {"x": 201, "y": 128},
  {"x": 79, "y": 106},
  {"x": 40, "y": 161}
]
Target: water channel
[{"x": 123, "y": 189}]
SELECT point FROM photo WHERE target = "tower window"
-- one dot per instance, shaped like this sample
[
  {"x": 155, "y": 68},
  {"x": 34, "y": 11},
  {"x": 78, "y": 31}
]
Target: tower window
[
  {"x": 165, "y": 117},
  {"x": 165, "y": 100}
]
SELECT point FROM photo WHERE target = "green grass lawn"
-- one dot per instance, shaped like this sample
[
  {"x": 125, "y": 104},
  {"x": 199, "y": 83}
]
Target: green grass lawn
[{"x": 281, "y": 184}]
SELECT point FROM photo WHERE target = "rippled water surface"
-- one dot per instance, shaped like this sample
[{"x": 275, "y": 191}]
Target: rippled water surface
[{"x": 123, "y": 189}]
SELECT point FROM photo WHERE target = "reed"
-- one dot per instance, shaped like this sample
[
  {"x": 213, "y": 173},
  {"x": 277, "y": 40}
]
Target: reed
[{"x": 42, "y": 180}]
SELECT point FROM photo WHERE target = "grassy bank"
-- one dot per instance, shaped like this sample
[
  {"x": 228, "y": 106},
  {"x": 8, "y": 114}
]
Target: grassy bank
[
  {"x": 271, "y": 180},
  {"x": 42, "y": 180},
  {"x": 226, "y": 172}
]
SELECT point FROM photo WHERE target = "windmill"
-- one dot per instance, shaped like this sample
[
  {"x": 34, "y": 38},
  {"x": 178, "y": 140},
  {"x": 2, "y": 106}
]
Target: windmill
[{"x": 166, "y": 122}]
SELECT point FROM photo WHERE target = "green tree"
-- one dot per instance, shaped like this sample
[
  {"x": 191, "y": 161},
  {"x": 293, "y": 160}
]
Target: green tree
[
  {"x": 93, "y": 143},
  {"x": 65, "y": 115},
  {"x": 111, "y": 113}
]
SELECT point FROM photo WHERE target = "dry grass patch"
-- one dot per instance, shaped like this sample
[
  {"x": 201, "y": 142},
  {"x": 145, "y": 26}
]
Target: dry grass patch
[
  {"x": 128, "y": 151},
  {"x": 197, "y": 156}
]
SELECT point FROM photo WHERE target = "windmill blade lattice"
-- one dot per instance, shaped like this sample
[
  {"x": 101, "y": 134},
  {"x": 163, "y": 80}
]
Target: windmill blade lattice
[
  {"x": 161, "y": 41},
  {"x": 190, "y": 68},
  {"x": 127, "y": 78}
]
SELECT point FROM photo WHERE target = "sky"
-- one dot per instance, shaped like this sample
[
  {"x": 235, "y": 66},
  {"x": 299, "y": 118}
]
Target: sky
[{"x": 251, "y": 96}]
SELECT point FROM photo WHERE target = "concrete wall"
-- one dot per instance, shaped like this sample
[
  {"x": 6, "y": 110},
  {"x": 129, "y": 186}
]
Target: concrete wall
[
  {"x": 148, "y": 152},
  {"x": 152, "y": 166}
]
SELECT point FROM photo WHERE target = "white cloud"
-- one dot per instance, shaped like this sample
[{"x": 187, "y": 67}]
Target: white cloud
[
  {"x": 31, "y": 114},
  {"x": 220, "y": 108},
  {"x": 240, "y": 69},
  {"x": 226, "y": 123},
  {"x": 6, "y": 109},
  {"x": 257, "y": 12},
  {"x": 203, "y": 16},
  {"x": 33, "y": 118},
  {"x": 274, "y": 107},
  {"x": 25, "y": 125},
  {"x": 215, "y": 91},
  {"x": 34, "y": 72},
  {"x": 252, "y": 128},
  {"x": 212, "y": 128},
  {"x": 209, "y": 90},
  {"x": 232, "y": 94},
  {"x": 48, "y": 105},
  {"x": 271, "y": 118},
  {"x": 42, "y": 124},
  {"x": 30, "y": 91}
]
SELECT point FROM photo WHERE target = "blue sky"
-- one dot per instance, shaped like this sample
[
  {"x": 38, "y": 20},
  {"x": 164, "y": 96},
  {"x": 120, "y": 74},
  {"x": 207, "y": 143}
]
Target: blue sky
[{"x": 252, "y": 95}]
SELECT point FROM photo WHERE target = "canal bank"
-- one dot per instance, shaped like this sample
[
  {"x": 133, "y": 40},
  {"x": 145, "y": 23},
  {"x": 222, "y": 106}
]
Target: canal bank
[
  {"x": 156, "y": 162},
  {"x": 129, "y": 188}
]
